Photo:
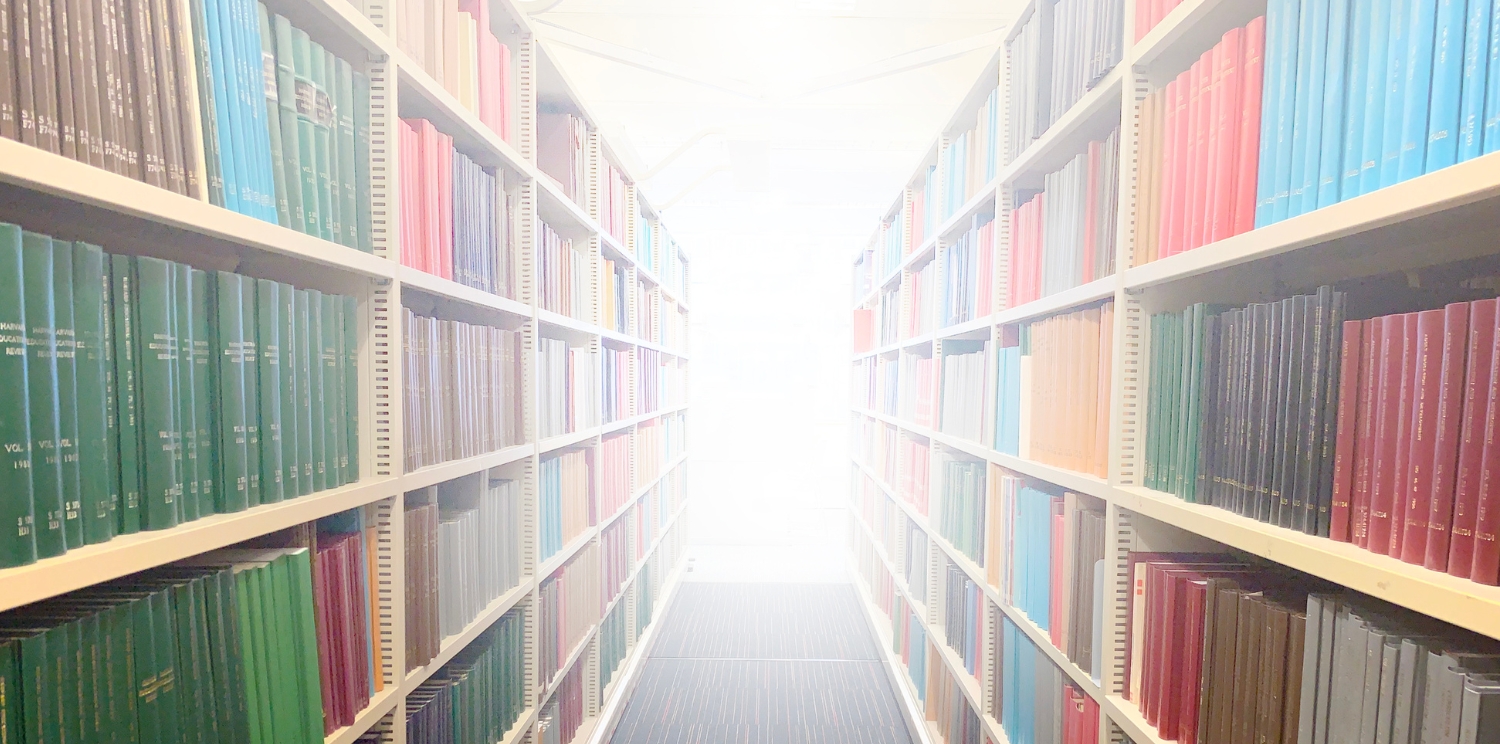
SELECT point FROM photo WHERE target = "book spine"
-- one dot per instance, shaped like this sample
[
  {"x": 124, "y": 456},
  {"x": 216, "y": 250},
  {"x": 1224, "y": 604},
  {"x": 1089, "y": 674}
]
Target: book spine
[
  {"x": 1475, "y": 71},
  {"x": 67, "y": 391},
  {"x": 156, "y": 354},
  {"x": 44, "y": 406},
  {"x": 347, "y": 165},
  {"x": 1420, "y": 95},
  {"x": 1251, "y": 141},
  {"x": 290, "y": 165},
  {"x": 290, "y": 393},
  {"x": 204, "y": 423},
  {"x": 147, "y": 105},
  {"x": 1277, "y": 103},
  {"x": 351, "y": 387},
  {"x": 127, "y": 396},
  {"x": 306, "y": 100},
  {"x": 9, "y": 123},
  {"x": 186, "y": 115},
  {"x": 249, "y": 360},
  {"x": 1343, "y": 469},
  {"x": 1416, "y": 488},
  {"x": 85, "y": 67},
  {"x": 1448, "y": 74},
  {"x": 59, "y": 43},
  {"x": 310, "y": 326},
  {"x": 1226, "y": 145},
  {"x": 303, "y": 335},
  {"x": 170, "y": 106},
  {"x": 1486, "y": 552},
  {"x": 1382, "y": 13},
  {"x": 89, "y": 359},
  {"x": 336, "y": 456},
  {"x": 1492, "y": 88},
  {"x": 187, "y": 449},
  {"x": 229, "y": 379},
  {"x": 1308, "y": 136},
  {"x": 1399, "y": 53},
  {"x": 1356, "y": 75},
  {"x": 1335, "y": 93},
  {"x": 1446, "y": 443},
  {"x": 17, "y": 513},
  {"x": 1405, "y": 417},
  {"x": 329, "y": 85},
  {"x": 271, "y": 91},
  {"x": 1364, "y": 443},
  {"x": 1478, "y": 366},
  {"x": 1383, "y": 484},
  {"x": 362, "y": 207},
  {"x": 270, "y": 384},
  {"x": 322, "y": 117}
]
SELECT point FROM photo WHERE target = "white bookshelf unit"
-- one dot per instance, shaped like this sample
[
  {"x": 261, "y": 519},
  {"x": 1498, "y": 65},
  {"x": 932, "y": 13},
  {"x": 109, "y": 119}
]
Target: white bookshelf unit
[
  {"x": 1441, "y": 217},
  {"x": 51, "y": 194}
]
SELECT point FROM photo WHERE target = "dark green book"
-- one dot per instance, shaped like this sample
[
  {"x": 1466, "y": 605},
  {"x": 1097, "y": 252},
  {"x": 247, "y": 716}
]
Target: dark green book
[
  {"x": 286, "y": 118},
  {"x": 11, "y": 713},
  {"x": 268, "y": 342},
  {"x": 203, "y": 372},
  {"x": 88, "y": 320},
  {"x": 127, "y": 392},
  {"x": 191, "y": 676},
  {"x": 249, "y": 361},
  {"x": 317, "y": 393},
  {"x": 291, "y": 473},
  {"x": 111, "y": 395},
  {"x": 143, "y": 657},
  {"x": 306, "y": 99},
  {"x": 187, "y": 402},
  {"x": 328, "y": 116},
  {"x": 208, "y": 115},
  {"x": 364, "y": 218},
  {"x": 351, "y": 386},
  {"x": 41, "y": 387},
  {"x": 324, "y": 142},
  {"x": 221, "y": 610},
  {"x": 343, "y": 87},
  {"x": 304, "y": 609},
  {"x": 17, "y": 518},
  {"x": 228, "y": 348},
  {"x": 336, "y": 455},
  {"x": 157, "y": 360},
  {"x": 67, "y": 391},
  {"x": 253, "y": 650},
  {"x": 273, "y": 123},
  {"x": 168, "y": 690},
  {"x": 305, "y": 367}
]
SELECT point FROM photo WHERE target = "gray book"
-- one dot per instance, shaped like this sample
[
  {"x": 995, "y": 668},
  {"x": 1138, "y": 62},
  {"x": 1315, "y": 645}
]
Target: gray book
[
  {"x": 1390, "y": 655},
  {"x": 1445, "y": 689},
  {"x": 1479, "y": 723},
  {"x": 1409, "y": 688},
  {"x": 1311, "y": 656},
  {"x": 1327, "y": 642},
  {"x": 1368, "y": 693}
]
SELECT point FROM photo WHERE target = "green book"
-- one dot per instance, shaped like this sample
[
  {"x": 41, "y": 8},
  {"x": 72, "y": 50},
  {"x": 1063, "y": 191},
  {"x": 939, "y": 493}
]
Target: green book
[
  {"x": 41, "y": 388},
  {"x": 143, "y": 658},
  {"x": 273, "y": 120},
  {"x": 204, "y": 370},
  {"x": 11, "y": 713},
  {"x": 228, "y": 349},
  {"x": 168, "y": 691},
  {"x": 285, "y": 117},
  {"x": 17, "y": 518},
  {"x": 351, "y": 386},
  {"x": 249, "y": 360},
  {"x": 192, "y": 698},
  {"x": 280, "y": 603},
  {"x": 317, "y": 393},
  {"x": 122, "y": 657},
  {"x": 227, "y": 700},
  {"x": 187, "y": 402},
  {"x": 306, "y": 100},
  {"x": 336, "y": 455},
  {"x": 67, "y": 392},
  {"x": 1153, "y": 394},
  {"x": 325, "y": 143},
  {"x": 326, "y": 80},
  {"x": 127, "y": 392},
  {"x": 343, "y": 87},
  {"x": 305, "y": 366},
  {"x": 364, "y": 220},
  {"x": 300, "y": 565},
  {"x": 291, "y": 474},
  {"x": 157, "y": 357},
  {"x": 253, "y": 642},
  {"x": 111, "y": 396},
  {"x": 268, "y": 372},
  {"x": 88, "y": 319},
  {"x": 207, "y": 113}
]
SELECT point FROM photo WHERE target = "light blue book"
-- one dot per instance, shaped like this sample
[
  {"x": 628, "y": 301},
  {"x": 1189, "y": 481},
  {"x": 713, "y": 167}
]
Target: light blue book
[
  {"x": 1310, "y": 138},
  {"x": 1412, "y": 161},
  {"x": 260, "y": 141},
  {"x": 1492, "y": 88},
  {"x": 1476, "y": 66},
  {"x": 1375, "y": 89},
  {"x": 1331, "y": 154},
  {"x": 1354, "y": 100},
  {"x": 1295, "y": 102},
  {"x": 1277, "y": 13},
  {"x": 1448, "y": 64},
  {"x": 244, "y": 149},
  {"x": 222, "y": 96},
  {"x": 1397, "y": 54}
]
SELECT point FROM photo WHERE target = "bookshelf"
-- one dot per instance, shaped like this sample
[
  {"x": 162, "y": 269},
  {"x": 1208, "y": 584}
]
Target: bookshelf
[
  {"x": 1415, "y": 228},
  {"x": 48, "y": 193}
]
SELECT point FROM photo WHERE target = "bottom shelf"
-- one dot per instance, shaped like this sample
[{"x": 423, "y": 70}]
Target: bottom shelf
[{"x": 916, "y": 718}]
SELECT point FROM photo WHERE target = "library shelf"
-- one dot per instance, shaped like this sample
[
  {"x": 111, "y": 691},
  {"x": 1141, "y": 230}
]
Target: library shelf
[
  {"x": 455, "y": 643},
  {"x": 642, "y": 491},
  {"x": 549, "y": 566},
  {"x": 1102, "y": 288},
  {"x": 443, "y": 472},
  {"x": 1091, "y": 117},
  {"x": 959, "y": 221},
  {"x": 522, "y": 727},
  {"x": 565, "y": 216},
  {"x": 565, "y": 323},
  {"x": 617, "y": 249},
  {"x": 421, "y": 97},
  {"x": 128, "y": 554},
  {"x": 437, "y": 288},
  {"x": 1187, "y": 31},
  {"x": 380, "y": 706},
  {"x": 337, "y": 22},
  {"x": 578, "y": 652},
  {"x": 57, "y": 195},
  {"x": 921, "y": 729},
  {"x": 571, "y": 439}
]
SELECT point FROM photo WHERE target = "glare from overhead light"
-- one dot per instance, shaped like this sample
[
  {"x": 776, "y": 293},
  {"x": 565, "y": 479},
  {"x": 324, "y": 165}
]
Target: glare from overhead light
[{"x": 826, "y": 6}]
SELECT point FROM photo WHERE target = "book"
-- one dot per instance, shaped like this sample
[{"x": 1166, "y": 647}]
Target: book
[
  {"x": 964, "y": 384},
  {"x": 1053, "y": 249},
  {"x": 18, "y": 539},
  {"x": 566, "y": 505},
  {"x": 442, "y": 422},
  {"x": 567, "y": 603},
  {"x": 482, "y": 690}
]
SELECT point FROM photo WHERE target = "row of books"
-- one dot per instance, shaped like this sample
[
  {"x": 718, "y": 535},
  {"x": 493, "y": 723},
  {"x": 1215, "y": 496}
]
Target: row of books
[
  {"x": 920, "y": 210},
  {"x": 567, "y": 606},
  {"x": 1199, "y": 149},
  {"x": 647, "y": 517},
  {"x": 889, "y": 240},
  {"x": 969, "y": 286},
  {"x": 1060, "y": 52},
  {"x": 916, "y": 455},
  {"x": 650, "y": 451},
  {"x": 117, "y": 346},
  {"x": 1064, "y": 236},
  {"x": 614, "y": 547},
  {"x": 971, "y": 159},
  {"x": 616, "y": 382},
  {"x": 648, "y": 326},
  {"x": 890, "y": 315},
  {"x": 1065, "y": 371},
  {"x": 564, "y": 271},
  {"x": 947, "y": 707},
  {"x": 864, "y": 326},
  {"x": 914, "y": 563},
  {"x": 479, "y": 695},
  {"x": 649, "y": 380},
  {"x": 909, "y": 641},
  {"x": 1035, "y": 700},
  {"x": 922, "y": 298},
  {"x": 457, "y": 220},
  {"x": 966, "y": 381},
  {"x": 613, "y": 206},
  {"x": 964, "y": 606},
  {"x": 1008, "y": 399},
  {"x": 346, "y": 599},
  {"x": 453, "y": 42},
  {"x": 615, "y": 487},
  {"x": 569, "y": 380},
  {"x": 462, "y": 388},
  {"x": 614, "y": 643},
  {"x": 562, "y": 716},
  {"x": 919, "y": 388},
  {"x": 1148, "y": 14},
  {"x": 645, "y": 596},
  {"x": 614, "y": 299},
  {"x": 960, "y": 508},
  {"x": 562, "y": 142},
  {"x": 565, "y": 500}
]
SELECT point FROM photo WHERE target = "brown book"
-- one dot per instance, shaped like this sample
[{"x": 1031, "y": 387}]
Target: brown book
[
  {"x": 1270, "y": 700},
  {"x": 85, "y": 25},
  {"x": 1401, "y": 484},
  {"x": 9, "y": 125},
  {"x": 44, "y": 76},
  {"x": 1248, "y": 670},
  {"x": 169, "y": 108},
  {"x": 1291, "y": 696},
  {"x": 140, "y": 32},
  {"x": 26, "y": 110}
]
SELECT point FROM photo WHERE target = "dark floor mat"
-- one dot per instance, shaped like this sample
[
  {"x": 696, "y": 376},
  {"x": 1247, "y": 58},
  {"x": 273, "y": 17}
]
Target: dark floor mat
[{"x": 765, "y": 621}]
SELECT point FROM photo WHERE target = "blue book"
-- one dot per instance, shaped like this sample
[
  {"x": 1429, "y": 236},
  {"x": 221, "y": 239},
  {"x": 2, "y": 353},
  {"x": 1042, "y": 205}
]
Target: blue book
[
  {"x": 1354, "y": 106},
  {"x": 1277, "y": 13},
  {"x": 1476, "y": 65},
  {"x": 260, "y": 131},
  {"x": 244, "y": 152},
  {"x": 1375, "y": 95},
  {"x": 1397, "y": 54},
  {"x": 1412, "y": 161},
  {"x": 1293, "y": 111},
  {"x": 1448, "y": 65},
  {"x": 1492, "y": 88},
  {"x": 1331, "y": 167},
  {"x": 1310, "y": 138},
  {"x": 1286, "y": 105},
  {"x": 222, "y": 87}
]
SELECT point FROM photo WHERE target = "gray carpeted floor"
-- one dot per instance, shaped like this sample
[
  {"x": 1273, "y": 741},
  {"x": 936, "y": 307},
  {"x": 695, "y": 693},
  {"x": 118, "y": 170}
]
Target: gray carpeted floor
[{"x": 763, "y": 664}]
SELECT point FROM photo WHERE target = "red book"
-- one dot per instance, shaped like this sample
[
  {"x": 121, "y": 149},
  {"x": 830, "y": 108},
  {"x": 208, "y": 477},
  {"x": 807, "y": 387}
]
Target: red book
[
  {"x": 1228, "y": 131},
  {"x": 1487, "y": 514},
  {"x": 1446, "y": 437},
  {"x": 1386, "y": 415},
  {"x": 1478, "y": 368},
  {"x": 1188, "y": 130},
  {"x": 1406, "y": 418},
  {"x": 1247, "y": 164},
  {"x": 1202, "y": 126},
  {"x": 1213, "y": 110},
  {"x": 1187, "y": 680},
  {"x": 1343, "y": 447},
  {"x": 1426, "y": 383},
  {"x": 1364, "y": 442},
  {"x": 320, "y": 621},
  {"x": 1180, "y": 160},
  {"x": 1167, "y": 176}
]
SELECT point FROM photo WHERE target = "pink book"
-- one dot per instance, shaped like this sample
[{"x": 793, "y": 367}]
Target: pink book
[
  {"x": 1477, "y": 372},
  {"x": 1167, "y": 174},
  {"x": 1247, "y": 165},
  {"x": 445, "y": 193},
  {"x": 1227, "y": 125},
  {"x": 1182, "y": 156},
  {"x": 1212, "y": 100},
  {"x": 1199, "y": 109},
  {"x": 1364, "y": 433}
]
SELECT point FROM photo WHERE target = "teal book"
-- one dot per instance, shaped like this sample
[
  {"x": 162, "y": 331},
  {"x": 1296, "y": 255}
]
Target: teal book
[
  {"x": 1492, "y": 87},
  {"x": 1398, "y": 54},
  {"x": 250, "y": 360},
  {"x": 67, "y": 391},
  {"x": 286, "y": 100},
  {"x": 157, "y": 357},
  {"x": 1277, "y": 21},
  {"x": 273, "y": 120},
  {"x": 337, "y": 454},
  {"x": 41, "y": 387},
  {"x": 344, "y": 95},
  {"x": 362, "y": 163},
  {"x": 326, "y": 79},
  {"x": 214, "y": 52},
  {"x": 208, "y": 116},
  {"x": 89, "y": 359},
  {"x": 351, "y": 386},
  {"x": 1421, "y": 32},
  {"x": 1356, "y": 76},
  {"x": 228, "y": 348},
  {"x": 1296, "y": 28},
  {"x": 287, "y": 314},
  {"x": 17, "y": 517},
  {"x": 1336, "y": 68},
  {"x": 1475, "y": 69},
  {"x": 1376, "y": 84},
  {"x": 324, "y": 142},
  {"x": 307, "y": 456},
  {"x": 1448, "y": 63},
  {"x": 317, "y": 392},
  {"x": 204, "y": 371},
  {"x": 268, "y": 343},
  {"x": 127, "y": 391},
  {"x": 187, "y": 401},
  {"x": 1308, "y": 125},
  {"x": 306, "y": 102}
]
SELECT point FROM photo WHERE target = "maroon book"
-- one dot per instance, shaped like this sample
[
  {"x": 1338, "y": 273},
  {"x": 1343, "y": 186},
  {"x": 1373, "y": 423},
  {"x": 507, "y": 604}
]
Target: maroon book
[
  {"x": 1364, "y": 443},
  {"x": 1445, "y": 444},
  {"x": 1477, "y": 372},
  {"x": 1343, "y": 447},
  {"x": 1406, "y": 413},
  {"x": 1387, "y": 413},
  {"x": 1487, "y": 515},
  {"x": 321, "y": 619},
  {"x": 1426, "y": 385}
]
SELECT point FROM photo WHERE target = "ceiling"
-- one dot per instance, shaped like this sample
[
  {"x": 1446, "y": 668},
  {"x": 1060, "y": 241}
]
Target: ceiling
[{"x": 771, "y": 117}]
